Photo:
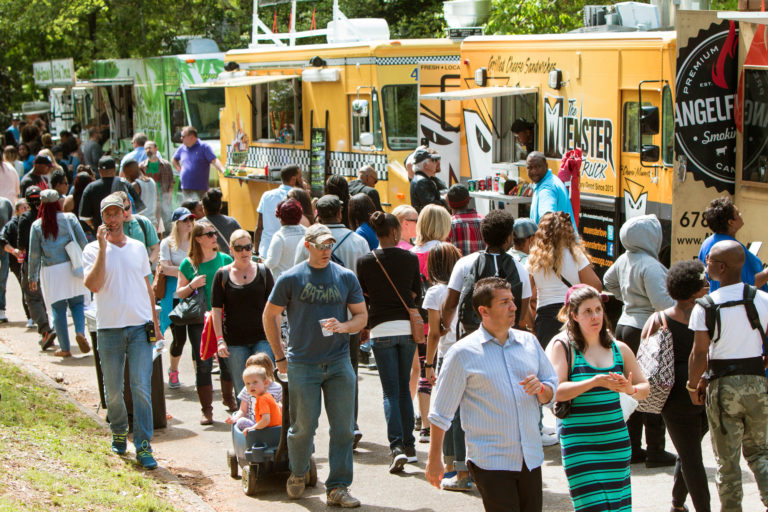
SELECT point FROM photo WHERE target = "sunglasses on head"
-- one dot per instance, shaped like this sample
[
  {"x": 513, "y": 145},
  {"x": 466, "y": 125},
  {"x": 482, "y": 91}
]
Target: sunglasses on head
[
  {"x": 322, "y": 247},
  {"x": 241, "y": 248},
  {"x": 209, "y": 234}
]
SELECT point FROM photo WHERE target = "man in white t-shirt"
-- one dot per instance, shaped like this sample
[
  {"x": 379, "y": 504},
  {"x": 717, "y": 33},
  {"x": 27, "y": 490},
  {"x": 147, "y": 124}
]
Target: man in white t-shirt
[
  {"x": 116, "y": 269},
  {"x": 497, "y": 230},
  {"x": 737, "y": 393},
  {"x": 268, "y": 223}
]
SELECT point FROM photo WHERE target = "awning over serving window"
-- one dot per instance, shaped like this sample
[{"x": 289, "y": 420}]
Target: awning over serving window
[
  {"x": 243, "y": 80},
  {"x": 479, "y": 93}
]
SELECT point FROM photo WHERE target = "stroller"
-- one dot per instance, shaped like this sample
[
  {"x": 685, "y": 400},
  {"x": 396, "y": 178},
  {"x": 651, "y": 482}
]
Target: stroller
[{"x": 264, "y": 452}]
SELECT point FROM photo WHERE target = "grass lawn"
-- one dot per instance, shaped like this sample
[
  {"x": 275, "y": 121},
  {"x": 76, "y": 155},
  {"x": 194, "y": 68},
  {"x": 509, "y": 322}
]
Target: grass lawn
[{"x": 53, "y": 457}]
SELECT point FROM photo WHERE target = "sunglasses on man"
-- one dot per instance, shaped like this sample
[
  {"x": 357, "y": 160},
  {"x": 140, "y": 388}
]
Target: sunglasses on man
[{"x": 322, "y": 247}]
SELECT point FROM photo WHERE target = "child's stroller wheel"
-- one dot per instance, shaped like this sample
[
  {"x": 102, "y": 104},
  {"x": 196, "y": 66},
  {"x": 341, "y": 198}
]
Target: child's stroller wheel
[
  {"x": 312, "y": 472},
  {"x": 232, "y": 463},
  {"x": 249, "y": 480}
]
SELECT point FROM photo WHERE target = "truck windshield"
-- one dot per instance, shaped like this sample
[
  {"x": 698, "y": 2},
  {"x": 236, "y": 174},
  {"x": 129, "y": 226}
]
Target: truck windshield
[
  {"x": 204, "y": 105},
  {"x": 401, "y": 116}
]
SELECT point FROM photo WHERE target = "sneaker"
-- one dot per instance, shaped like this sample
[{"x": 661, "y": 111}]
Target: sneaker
[
  {"x": 295, "y": 485},
  {"x": 144, "y": 456},
  {"x": 549, "y": 440},
  {"x": 63, "y": 353},
  {"x": 358, "y": 437},
  {"x": 548, "y": 430},
  {"x": 417, "y": 423},
  {"x": 46, "y": 341},
  {"x": 659, "y": 459},
  {"x": 424, "y": 435},
  {"x": 340, "y": 497},
  {"x": 449, "y": 474},
  {"x": 30, "y": 324},
  {"x": 173, "y": 379},
  {"x": 456, "y": 484},
  {"x": 410, "y": 452},
  {"x": 398, "y": 460},
  {"x": 3, "y": 318},
  {"x": 119, "y": 443}
]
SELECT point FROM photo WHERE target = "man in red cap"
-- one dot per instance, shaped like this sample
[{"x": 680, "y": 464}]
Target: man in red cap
[{"x": 465, "y": 221}]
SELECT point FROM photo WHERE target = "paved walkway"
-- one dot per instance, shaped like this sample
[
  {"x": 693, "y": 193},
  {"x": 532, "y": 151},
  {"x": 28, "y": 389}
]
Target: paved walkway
[{"x": 197, "y": 454}]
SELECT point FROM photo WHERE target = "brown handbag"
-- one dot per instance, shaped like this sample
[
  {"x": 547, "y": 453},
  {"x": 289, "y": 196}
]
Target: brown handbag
[
  {"x": 417, "y": 323},
  {"x": 158, "y": 284}
]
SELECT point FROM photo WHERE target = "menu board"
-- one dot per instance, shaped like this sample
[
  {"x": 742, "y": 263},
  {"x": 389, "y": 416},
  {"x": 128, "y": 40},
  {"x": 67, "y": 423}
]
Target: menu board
[{"x": 318, "y": 160}]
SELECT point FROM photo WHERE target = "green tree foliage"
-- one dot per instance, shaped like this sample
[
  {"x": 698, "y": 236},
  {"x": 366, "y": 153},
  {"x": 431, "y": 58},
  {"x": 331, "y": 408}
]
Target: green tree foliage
[{"x": 537, "y": 16}]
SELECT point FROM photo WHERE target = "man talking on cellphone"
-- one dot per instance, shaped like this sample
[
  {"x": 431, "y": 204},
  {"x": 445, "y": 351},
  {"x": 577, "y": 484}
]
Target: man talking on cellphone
[{"x": 116, "y": 269}]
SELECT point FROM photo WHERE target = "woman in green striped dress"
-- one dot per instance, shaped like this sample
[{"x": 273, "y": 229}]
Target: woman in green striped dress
[{"x": 594, "y": 439}]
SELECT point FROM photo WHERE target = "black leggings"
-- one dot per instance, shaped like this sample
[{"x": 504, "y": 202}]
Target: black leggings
[
  {"x": 546, "y": 325},
  {"x": 654, "y": 424},
  {"x": 687, "y": 425},
  {"x": 15, "y": 267},
  {"x": 195, "y": 332}
]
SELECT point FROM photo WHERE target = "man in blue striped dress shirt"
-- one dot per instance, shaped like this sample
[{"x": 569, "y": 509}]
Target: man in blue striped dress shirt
[{"x": 499, "y": 376}]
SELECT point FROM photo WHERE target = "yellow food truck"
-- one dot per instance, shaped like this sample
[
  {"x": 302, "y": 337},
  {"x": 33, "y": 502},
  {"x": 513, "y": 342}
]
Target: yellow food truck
[{"x": 329, "y": 108}]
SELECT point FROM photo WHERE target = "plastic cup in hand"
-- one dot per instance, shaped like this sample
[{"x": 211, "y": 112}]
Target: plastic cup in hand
[{"x": 326, "y": 332}]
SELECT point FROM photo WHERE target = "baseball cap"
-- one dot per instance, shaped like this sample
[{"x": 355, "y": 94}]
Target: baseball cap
[
  {"x": 106, "y": 162},
  {"x": 111, "y": 200},
  {"x": 318, "y": 234},
  {"x": 328, "y": 205},
  {"x": 32, "y": 193},
  {"x": 42, "y": 160},
  {"x": 458, "y": 196},
  {"x": 181, "y": 213},
  {"x": 49, "y": 196},
  {"x": 524, "y": 228},
  {"x": 422, "y": 154}
]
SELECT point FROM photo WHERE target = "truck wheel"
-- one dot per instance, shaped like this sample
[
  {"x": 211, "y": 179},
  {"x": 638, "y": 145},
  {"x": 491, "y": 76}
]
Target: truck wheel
[
  {"x": 312, "y": 472},
  {"x": 232, "y": 463},
  {"x": 249, "y": 481}
]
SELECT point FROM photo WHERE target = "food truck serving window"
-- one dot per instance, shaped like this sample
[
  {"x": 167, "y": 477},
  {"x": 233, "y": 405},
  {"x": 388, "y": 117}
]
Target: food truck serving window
[
  {"x": 755, "y": 126},
  {"x": 204, "y": 106},
  {"x": 515, "y": 120},
  {"x": 277, "y": 112},
  {"x": 401, "y": 116}
]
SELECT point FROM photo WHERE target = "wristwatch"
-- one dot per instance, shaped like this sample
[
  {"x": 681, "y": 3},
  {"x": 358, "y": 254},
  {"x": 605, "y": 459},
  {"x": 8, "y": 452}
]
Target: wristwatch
[{"x": 427, "y": 365}]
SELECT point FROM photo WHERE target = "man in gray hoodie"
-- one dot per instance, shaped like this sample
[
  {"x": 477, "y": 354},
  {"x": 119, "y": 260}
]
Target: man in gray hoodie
[{"x": 637, "y": 278}]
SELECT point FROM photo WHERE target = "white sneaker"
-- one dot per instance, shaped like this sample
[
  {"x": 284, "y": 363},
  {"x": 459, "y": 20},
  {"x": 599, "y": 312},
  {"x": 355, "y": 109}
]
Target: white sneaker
[
  {"x": 30, "y": 324},
  {"x": 548, "y": 430},
  {"x": 549, "y": 439}
]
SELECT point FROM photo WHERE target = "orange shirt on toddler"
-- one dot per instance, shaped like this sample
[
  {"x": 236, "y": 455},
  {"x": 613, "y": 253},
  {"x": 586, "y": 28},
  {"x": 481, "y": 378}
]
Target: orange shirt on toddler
[{"x": 265, "y": 404}]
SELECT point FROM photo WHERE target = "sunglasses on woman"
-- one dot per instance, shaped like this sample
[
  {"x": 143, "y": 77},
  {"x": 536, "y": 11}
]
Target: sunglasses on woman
[
  {"x": 241, "y": 248},
  {"x": 209, "y": 234}
]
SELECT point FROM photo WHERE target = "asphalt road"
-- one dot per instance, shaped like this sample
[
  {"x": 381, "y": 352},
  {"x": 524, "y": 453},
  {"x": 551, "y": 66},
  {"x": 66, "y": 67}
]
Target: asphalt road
[{"x": 197, "y": 455}]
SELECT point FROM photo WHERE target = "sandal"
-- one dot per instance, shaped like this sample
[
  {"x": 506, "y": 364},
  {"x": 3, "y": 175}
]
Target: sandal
[
  {"x": 82, "y": 342},
  {"x": 63, "y": 353}
]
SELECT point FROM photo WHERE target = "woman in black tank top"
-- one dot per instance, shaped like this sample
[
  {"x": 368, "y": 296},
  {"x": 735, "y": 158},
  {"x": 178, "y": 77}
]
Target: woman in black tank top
[{"x": 686, "y": 422}]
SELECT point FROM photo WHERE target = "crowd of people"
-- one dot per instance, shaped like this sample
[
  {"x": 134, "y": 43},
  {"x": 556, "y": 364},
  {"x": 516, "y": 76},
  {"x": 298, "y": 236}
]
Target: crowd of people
[{"x": 475, "y": 324}]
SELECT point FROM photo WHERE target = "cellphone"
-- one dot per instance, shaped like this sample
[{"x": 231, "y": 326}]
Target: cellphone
[{"x": 149, "y": 327}]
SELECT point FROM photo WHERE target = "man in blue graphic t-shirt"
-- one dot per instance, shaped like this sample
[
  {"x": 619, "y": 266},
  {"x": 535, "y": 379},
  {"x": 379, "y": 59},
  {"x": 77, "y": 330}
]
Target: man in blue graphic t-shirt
[{"x": 315, "y": 294}]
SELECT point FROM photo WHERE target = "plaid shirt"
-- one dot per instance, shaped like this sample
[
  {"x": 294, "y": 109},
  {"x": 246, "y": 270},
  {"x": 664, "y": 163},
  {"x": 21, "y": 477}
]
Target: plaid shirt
[{"x": 465, "y": 231}]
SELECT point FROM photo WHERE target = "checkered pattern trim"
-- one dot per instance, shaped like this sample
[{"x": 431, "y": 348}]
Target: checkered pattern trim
[
  {"x": 394, "y": 61},
  {"x": 343, "y": 163},
  {"x": 347, "y": 164},
  {"x": 260, "y": 157}
]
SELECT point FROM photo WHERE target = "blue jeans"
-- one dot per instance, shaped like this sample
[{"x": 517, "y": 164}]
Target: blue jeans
[
  {"x": 114, "y": 346},
  {"x": 336, "y": 380},
  {"x": 59, "y": 309},
  {"x": 4, "y": 267},
  {"x": 394, "y": 358},
  {"x": 238, "y": 355}
]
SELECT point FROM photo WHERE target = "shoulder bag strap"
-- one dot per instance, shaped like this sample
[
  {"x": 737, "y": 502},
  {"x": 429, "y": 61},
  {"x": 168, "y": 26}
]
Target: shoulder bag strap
[
  {"x": 69, "y": 228},
  {"x": 390, "y": 282},
  {"x": 342, "y": 241},
  {"x": 568, "y": 358},
  {"x": 663, "y": 319},
  {"x": 219, "y": 232}
]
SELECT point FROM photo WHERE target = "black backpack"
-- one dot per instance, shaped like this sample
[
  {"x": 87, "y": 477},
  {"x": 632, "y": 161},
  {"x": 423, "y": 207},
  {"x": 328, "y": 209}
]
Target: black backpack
[
  {"x": 712, "y": 313},
  {"x": 504, "y": 266}
]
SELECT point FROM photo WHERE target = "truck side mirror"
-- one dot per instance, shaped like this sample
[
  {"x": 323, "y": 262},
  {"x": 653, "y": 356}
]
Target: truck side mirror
[
  {"x": 649, "y": 153},
  {"x": 366, "y": 139},
  {"x": 649, "y": 120},
  {"x": 360, "y": 108}
]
